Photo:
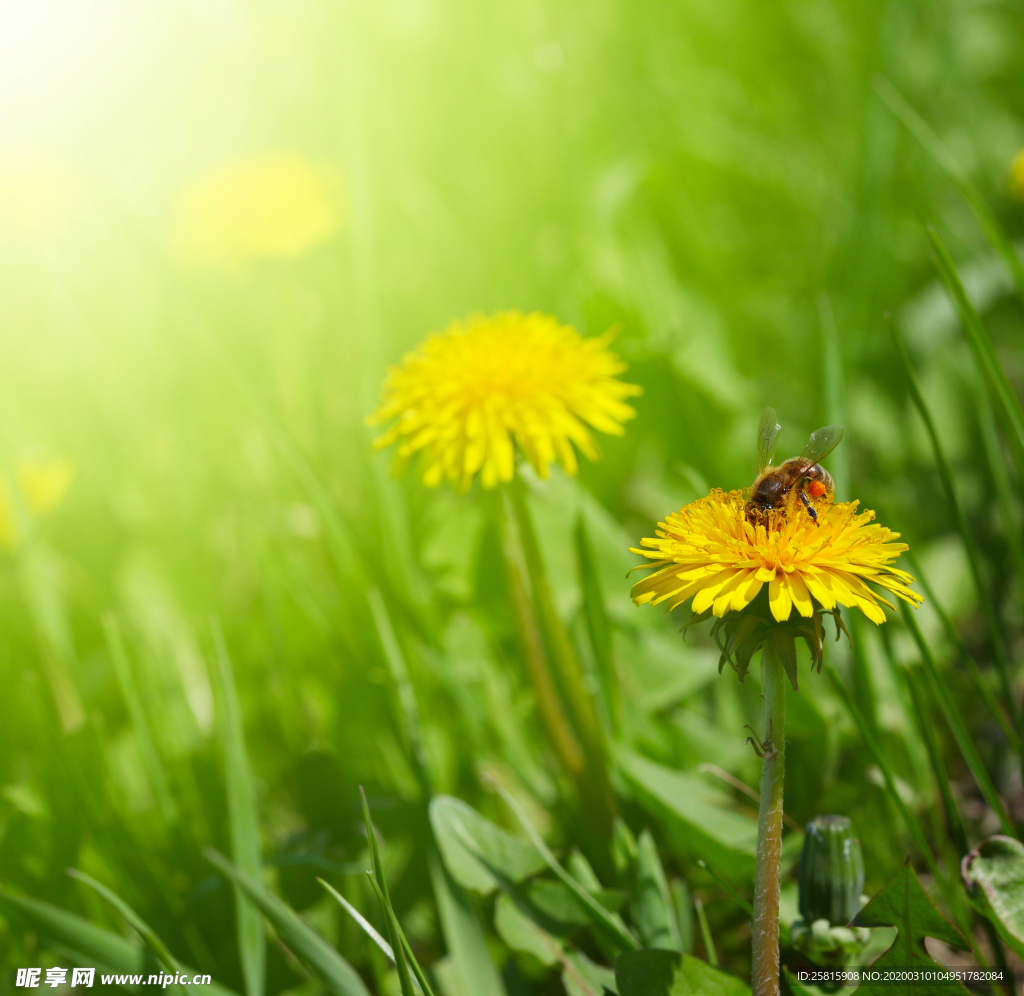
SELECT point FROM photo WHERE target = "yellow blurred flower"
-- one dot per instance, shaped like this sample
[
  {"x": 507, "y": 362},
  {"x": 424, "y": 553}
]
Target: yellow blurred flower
[
  {"x": 38, "y": 488},
  {"x": 710, "y": 552},
  {"x": 276, "y": 206},
  {"x": 36, "y": 194},
  {"x": 1017, "y": 177},
  {"x": 469, "y": 395}
]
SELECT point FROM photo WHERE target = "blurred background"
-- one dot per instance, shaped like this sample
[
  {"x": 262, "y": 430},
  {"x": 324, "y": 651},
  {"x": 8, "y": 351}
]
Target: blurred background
[{"x": 220, "y": 221}]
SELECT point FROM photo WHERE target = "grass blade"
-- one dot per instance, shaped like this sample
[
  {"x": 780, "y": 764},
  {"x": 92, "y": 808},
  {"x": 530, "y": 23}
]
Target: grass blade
[
  {"x": 1004, "y": 491},
  {"x": 925, "y": 729},
  {"x": 980, "y": 684},
  {"x": 705, "y": 932},
  {"x": 133, "y": 919},
  {"x": 944, "y": 159},
  {"x": 338, "y": 975},
  {"x": 137, "y": 715},
  {"x": 598, "y": 626},
  {"x": 736, "y": 897},
  {"x": 100, "y": 947},
  {"x": 984, "y": 351},
  {"x": 913, "y": 827},
  {"x": 614, "y": 926},
  {"x": 242, "y": 819},
  {"x": 958, "y": 728},
  {"x": 368, "y": 929},
  {"x": 380, "y": 885},
  {"x": 970, "y": 546}
]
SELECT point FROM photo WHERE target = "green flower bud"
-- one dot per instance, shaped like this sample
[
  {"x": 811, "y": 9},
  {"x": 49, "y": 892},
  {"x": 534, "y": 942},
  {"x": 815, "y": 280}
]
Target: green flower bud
[{"x": 831, "y": 871}]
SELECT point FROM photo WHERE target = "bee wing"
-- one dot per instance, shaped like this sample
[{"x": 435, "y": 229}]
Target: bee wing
[
  {"x": 767, "y": 431},
  {"x": 822, "y": 442}
]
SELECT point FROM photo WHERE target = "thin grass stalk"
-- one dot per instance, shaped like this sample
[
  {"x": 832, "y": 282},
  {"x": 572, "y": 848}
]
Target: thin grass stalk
[
  {"x": 569, "y": 672},
  {"x": 981, "y": 685},
  {"x": 971, "y": 547},
  {"x": 947, "y": 704},
  {"x": 1004, "y": 491},
  {"x": 552, "y": 715},
  {"x": 954, "y": 824},
  {"x": 951, "y": 897},
  {"x": 705, "y": 932},
  {"x": 944, "y": 159},
  {"x": 984, "y": 351},
  {"x": 765, "y": 925}
]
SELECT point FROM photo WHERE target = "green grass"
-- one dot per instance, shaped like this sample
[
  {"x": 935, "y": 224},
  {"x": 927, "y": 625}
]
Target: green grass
[{"x": 722, "y": 182}]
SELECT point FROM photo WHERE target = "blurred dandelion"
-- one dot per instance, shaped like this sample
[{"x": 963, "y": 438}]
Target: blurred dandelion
[
  {"x": 36, "y": 195},
  {"x": 277, "y": 206},
  {"x": 710, "y": 552},
  {"x": 39, "y": 486},
  {"x": 469, "y": 395},
  {"x": 1016, "y": 183}
]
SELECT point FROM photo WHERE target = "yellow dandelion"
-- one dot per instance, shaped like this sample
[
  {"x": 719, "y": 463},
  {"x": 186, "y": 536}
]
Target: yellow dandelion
[
  {"x": 37, "y": 195},
  {"x": 467, "y": 397},
  {"x": 1017, "y": 177},
  {"x": 271, "y": 207},
  {"x": 710, "y": 552},
  {"x": 39, "y": 486}
]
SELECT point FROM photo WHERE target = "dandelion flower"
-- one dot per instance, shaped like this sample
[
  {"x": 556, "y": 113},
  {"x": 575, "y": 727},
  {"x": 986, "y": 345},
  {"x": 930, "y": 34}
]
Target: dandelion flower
[
  {"x": 710, "y": 552},
  {"x": 467, "y": 397},
  {"x": 272, "y": 207},
  {"x": 39, "y": 487}
]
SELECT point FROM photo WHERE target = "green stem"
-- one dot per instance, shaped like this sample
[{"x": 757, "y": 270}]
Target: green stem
[
  {"x": 596, "y": 788},
  {"x": 765, "y": 925},
  {"x": 552, "y": 715}
]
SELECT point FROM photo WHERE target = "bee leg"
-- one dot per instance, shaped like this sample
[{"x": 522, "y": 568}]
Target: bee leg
[{"x": 807, "y": 502}]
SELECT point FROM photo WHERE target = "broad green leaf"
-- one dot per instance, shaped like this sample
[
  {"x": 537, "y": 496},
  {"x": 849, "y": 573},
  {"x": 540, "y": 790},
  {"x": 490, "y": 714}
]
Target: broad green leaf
[
  {"x": 338, "y": 975},
  {"x": 470, "y": 967},
  {"x": 583, "y": 977},
  {"x": 242, "y": 819},
  {"x": 695, "y": 814},
  {"x": 669, "y": 973},
  {"x": 608, "y": 925},
  {"x": 997, "y": 866},
  {"x": 521, "y": 933},
  {"x": 562, "y": 910},
  {"x": 465, "y": 837},
  {"x": 903, "y": 904}
]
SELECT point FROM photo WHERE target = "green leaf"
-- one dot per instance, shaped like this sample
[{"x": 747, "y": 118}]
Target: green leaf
[
  {"x": 650, "y": 904},
  {"x": 242, "y": 819},
  {"x": 695, "y": 814},
  {"x": 670, "y": 973},
  {"x": 470, "y": 965},
  {"x": 521, "y": 933},
  {"x": 583, "y": 977},
  {"x": 471, "y": 846},
  {"x": 903, "y": 904},
  {"x": 997, "y": 865},
  {"x": 338, "y": 975},
  {"x": 609, "y": 925}
]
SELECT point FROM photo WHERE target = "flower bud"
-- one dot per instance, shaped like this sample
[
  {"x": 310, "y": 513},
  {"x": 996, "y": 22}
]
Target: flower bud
[{"x": 831, "y": 871}]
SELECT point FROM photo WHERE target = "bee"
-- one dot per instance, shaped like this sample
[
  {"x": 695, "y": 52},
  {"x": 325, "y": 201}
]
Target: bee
[{"x": 800, "y": 481}]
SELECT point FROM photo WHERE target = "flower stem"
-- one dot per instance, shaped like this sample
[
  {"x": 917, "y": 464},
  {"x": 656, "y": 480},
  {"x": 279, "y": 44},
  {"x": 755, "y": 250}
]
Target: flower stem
[
  {"x": 552, "y": 715},
  {"x": 595, "y": 789},
  {"x": 765, "y": 926}
]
